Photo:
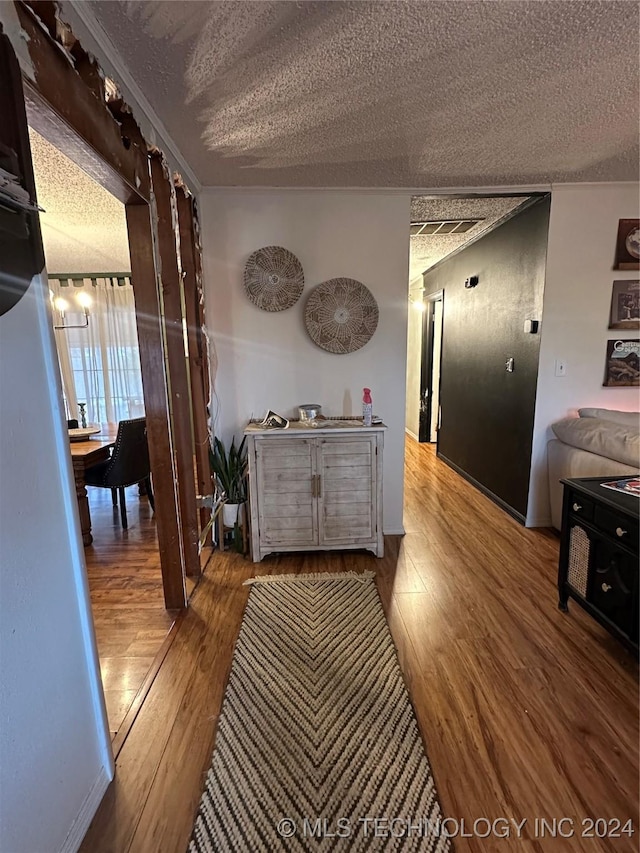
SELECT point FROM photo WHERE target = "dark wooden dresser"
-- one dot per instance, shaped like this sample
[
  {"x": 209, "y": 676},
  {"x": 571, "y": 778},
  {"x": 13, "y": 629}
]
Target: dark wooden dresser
[{"x": 599, "y": 555}]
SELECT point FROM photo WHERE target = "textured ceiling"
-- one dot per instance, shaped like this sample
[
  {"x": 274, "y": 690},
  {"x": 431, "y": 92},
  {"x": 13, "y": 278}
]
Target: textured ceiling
[
  {"x": 426, "y": 251},
  {"x": 389, "y": 94},
  {"x": 83, "y": 226}
]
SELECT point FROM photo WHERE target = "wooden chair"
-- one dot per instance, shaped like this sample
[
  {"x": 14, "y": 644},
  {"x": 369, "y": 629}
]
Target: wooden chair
[{"x": 128, "y": 465}]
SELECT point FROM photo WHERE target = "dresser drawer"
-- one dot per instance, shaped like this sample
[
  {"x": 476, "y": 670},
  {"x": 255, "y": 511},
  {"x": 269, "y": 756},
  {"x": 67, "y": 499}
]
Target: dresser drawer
[
  {"x": 621, "y": 528},
  {"x": 580, "y": 506},
  {"x": 612, "y": 583}
]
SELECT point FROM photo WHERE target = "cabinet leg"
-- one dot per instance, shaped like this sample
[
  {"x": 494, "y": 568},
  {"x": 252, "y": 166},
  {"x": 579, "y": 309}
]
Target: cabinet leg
[{"x": 563, "y": 602}]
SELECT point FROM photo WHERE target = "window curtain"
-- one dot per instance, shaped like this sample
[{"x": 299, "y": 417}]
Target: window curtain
[{"x": 100, "y": 364}]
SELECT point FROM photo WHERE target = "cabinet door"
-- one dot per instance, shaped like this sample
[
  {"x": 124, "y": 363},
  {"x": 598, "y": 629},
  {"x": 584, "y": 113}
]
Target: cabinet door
[
  {"x": 347, "y": 490},
  {"x": 286, "y": 513},
  {"x": 613, "y": 578}
]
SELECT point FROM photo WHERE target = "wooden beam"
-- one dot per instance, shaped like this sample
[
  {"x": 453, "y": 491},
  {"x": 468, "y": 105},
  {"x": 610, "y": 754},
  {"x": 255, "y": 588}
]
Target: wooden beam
[
  {"x": 177, "y": 355},
  {"x": 194, "y": 310},
  {"x": 58, "y": 87},
  {"x": 156, "y": 402},
  {"x": 203, "y": 341}
]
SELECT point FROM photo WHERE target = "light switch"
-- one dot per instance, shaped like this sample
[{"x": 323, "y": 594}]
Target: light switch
[{"x": 561, "y": 367}]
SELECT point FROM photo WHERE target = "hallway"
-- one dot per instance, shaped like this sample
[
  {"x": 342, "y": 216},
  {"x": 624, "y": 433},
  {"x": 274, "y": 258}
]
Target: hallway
[{"x": 526, "y": 712}]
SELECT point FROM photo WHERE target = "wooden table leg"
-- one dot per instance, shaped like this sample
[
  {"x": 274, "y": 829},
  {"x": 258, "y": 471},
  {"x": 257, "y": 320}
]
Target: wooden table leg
[{"x": 83, "y": 501}]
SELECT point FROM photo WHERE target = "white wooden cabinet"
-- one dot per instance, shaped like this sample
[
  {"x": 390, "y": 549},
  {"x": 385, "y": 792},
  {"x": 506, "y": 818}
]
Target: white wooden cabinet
[{"x": 315, "y": 488}]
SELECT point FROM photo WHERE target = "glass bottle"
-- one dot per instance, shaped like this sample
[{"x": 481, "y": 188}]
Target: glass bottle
[{"x": 367, "y": 407}]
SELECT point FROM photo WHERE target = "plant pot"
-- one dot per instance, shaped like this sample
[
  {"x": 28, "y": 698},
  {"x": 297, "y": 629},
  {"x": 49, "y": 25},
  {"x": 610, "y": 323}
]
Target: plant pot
[{"x": 230, "y": 514}]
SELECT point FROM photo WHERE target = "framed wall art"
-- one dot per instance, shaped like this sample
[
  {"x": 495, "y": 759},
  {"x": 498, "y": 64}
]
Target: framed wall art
[
  {"x": 628, "y": 245},
  {"x": 625, "y": 305},
  {"x": 622, "y": 367}
]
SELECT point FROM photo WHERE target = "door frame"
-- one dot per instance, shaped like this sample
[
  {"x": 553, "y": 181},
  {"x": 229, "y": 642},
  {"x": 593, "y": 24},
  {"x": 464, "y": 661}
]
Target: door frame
[
  {"x": 426, "y": 363},
  {"x": 67, "y": 105}
]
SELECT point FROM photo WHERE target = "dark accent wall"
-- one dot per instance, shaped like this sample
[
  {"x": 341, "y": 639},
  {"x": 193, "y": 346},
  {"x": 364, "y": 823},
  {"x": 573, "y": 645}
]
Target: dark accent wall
[{"x": 487, "y": 413}]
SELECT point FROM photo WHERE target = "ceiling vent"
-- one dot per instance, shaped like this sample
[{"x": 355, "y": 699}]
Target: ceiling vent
[{"x": 442, "y": 226}]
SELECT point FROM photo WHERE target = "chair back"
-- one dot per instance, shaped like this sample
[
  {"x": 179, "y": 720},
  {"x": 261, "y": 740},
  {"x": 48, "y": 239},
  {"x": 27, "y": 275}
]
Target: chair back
[
  {"x": 129, "y": 463},
  {"x": 72, "y": 423}
]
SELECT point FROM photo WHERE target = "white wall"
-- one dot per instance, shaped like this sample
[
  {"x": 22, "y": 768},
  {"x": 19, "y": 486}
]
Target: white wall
[
  {"x": 577, "y": 297},
  {"x": 55, "y": 758},
  {"x": 267, "y": 360}
]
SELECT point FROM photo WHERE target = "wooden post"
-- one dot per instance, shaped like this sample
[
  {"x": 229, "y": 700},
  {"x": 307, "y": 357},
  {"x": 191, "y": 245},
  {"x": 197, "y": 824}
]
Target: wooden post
[
  {"x": 156, "y": 402},
  {"x": 177, "y": 355},
  {"x": 194, "y": 309}
]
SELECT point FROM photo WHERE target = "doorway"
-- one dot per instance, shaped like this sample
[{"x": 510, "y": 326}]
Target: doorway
[
  {"x": 440, "y": 228},
  {"x": 430, "y": 367},
  {"x": 115, "y": 156},
  {"x": 84, "y": 232}
]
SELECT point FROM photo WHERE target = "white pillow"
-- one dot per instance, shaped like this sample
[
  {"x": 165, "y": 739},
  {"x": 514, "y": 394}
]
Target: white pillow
[
  {"x": 616, "y": 417},
  {"x": 605, "y": 438}
]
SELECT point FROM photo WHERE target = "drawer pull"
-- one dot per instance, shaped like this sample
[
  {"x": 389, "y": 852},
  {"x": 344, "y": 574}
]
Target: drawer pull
[
  {"x": 577, "y": 507},
  {"x": 620, "y": 532},
  {"x": 606, "y": 587}
]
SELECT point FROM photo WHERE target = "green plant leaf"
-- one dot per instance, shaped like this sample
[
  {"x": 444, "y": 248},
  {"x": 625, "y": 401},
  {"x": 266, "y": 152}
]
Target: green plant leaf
[{"x": 230, "y": 468}]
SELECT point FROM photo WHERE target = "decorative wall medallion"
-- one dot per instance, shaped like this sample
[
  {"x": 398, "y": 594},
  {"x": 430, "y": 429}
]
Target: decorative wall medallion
[
  {"x": 341, "y": 315},
  {"x": 273, "y": 278}
]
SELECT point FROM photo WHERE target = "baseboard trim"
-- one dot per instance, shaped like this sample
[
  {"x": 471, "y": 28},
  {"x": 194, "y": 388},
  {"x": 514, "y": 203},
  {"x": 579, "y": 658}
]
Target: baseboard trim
[
  {"x": 86, "y": 814},
  {"x": 411, "y": 434},
  {"x": 400, "y": 531},
  {"x": 485, "y": 491},
  {"x": 544, "y": 521}
]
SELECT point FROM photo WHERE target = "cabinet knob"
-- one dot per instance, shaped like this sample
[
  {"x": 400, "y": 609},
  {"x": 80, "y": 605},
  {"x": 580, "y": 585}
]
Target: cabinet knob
[
  {"x": 620, "y": 532},
  {"x": 606, "y": 587},
  {"x": 577, "y": 507}
]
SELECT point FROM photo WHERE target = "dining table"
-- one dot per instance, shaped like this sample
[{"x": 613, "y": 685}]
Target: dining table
[{"x": 84, "y": 454}]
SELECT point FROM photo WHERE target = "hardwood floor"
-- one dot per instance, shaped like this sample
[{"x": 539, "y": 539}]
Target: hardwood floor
[
  {"x": 123, "y": 567},
  {"x": 527, "y": 713}
]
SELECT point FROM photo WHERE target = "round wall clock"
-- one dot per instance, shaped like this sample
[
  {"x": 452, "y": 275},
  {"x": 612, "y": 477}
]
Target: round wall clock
[
  {"x": 273, "y": 278},
  {"x": 341, "y": 315}
]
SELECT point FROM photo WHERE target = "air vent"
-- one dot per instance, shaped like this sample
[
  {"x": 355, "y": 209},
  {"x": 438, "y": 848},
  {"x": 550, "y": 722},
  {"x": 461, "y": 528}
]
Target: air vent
[{"x": 442, "y": 226}]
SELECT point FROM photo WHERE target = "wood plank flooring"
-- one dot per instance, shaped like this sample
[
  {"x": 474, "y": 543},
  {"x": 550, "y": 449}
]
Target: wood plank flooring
[
  {"x": 527, "y": 713},
  {"x": 125, "y": 583}
]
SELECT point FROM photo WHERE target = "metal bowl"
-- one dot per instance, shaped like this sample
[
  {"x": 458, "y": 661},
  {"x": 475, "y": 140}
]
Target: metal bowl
[{"x": 309, "y": 411}]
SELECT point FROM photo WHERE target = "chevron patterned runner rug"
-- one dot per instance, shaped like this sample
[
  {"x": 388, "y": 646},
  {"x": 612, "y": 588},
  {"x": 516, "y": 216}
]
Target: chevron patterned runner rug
[{"x": 317, "y": 745}]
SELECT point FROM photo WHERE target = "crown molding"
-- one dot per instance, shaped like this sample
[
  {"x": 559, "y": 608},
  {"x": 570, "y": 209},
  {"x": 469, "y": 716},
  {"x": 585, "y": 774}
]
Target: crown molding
[
  {"x": 438, "y": 192},
  {"x": 112, "y": 63}
]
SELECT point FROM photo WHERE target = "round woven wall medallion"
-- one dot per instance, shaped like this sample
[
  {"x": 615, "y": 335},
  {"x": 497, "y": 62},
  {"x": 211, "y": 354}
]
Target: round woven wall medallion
[
  {"x": 341, "y": 315},
  {"x": 273, "y": 278}
]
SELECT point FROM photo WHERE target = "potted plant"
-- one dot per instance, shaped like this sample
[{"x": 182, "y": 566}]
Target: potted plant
[{"x": 230, "y": 469}]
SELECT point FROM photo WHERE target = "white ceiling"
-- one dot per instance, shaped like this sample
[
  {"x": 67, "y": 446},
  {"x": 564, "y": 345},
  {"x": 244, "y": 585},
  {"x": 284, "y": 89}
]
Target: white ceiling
[
  {"x": 389, "y": 94},
  {"x": 83, "y": 227}
]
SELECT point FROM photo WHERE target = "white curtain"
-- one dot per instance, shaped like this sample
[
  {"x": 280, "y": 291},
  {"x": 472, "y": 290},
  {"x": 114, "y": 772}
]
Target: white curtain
[{"x": 100, "y": 364}]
